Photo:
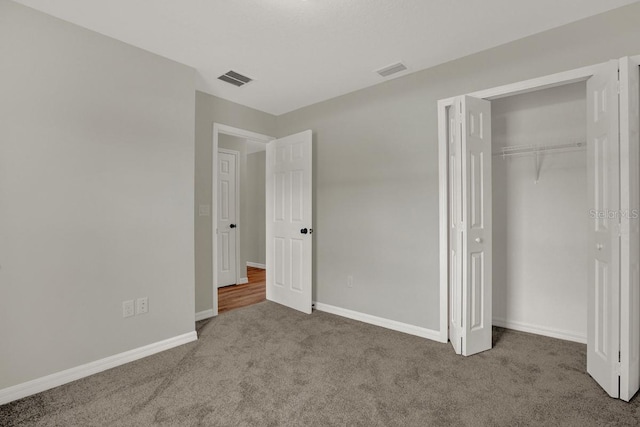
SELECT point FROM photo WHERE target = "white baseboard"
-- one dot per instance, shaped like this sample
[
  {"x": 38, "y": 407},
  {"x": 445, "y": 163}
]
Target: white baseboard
[
  {"x": 201, "y": 315},
  {"x": 256, "y": 265},
  {"x": 540, "y": 330},
  {"x": 38, "y": 385},
  {"x": 380, "y": 321},
  {"x": 242, "y": 281}
]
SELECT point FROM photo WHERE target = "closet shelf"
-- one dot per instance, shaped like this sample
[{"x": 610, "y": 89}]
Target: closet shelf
[
  {"x": 522, "y": 150},
  {"x": 537, "y": 151}
]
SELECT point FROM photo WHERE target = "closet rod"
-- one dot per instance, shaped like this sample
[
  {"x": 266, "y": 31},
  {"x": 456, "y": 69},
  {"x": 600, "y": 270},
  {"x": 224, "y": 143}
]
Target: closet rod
[{"x": 518, "y": 150}]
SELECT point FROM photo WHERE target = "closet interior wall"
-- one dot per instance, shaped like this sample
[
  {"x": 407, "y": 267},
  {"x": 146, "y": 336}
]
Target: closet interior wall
[{"x": 540, "y": 228}]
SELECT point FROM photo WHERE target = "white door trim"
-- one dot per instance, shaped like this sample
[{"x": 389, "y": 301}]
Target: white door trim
[
  {"x": 241, "y": 133},
  {"x": 553, "y": 80},
  {"x": 236, "y": 154}
]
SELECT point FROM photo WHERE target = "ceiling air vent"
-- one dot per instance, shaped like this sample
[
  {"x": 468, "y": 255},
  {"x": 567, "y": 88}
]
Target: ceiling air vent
[
  {"x": 391, "y": 69},
  {"x": 234, "y": 78}
]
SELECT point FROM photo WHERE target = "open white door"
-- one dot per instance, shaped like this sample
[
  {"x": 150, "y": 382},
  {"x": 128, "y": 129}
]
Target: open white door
[
  {"x": 603, "y": 157},
  {"x": 289, "y": 221},
  {"x": 473, "y": 240},
  {"x": 227, "y": 225},
  {"x": 630, "y": 225}
]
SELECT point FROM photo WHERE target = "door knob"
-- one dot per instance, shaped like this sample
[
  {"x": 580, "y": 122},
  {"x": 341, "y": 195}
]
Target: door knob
[
  {"x": 304, "y": 231},
  {"x": 478, "y": 240},
  {"x": 232, "y": 226}
]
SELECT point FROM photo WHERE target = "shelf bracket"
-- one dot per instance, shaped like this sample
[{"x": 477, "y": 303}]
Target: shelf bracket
[{"x": 538, "y": 165}]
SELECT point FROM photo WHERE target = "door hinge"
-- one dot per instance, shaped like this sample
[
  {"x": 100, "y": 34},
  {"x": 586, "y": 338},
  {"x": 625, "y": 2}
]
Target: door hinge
[{"x": 617, "y": 368}]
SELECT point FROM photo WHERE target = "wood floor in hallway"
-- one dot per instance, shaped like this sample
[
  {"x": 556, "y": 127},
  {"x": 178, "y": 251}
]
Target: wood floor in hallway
[{"x": 236, "y": 296}]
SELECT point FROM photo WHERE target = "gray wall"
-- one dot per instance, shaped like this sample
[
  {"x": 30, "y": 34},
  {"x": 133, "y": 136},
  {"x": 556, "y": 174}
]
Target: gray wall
[
  {"x": 96, "y": 195},
  {"x": 539, "y": 229},
  {"x": 210, "y": 109},
  {"x": 376, "y": 165},
  {"x": 256, "y": 208}
]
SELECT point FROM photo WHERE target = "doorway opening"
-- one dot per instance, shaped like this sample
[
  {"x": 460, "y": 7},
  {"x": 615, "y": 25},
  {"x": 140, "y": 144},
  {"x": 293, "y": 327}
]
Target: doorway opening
[
  {"x": 289, "y": 216},
  {"x": 239, "y": 234},
  {"x": 540, "y": 212},
  {"x": 539, "y": 209}
]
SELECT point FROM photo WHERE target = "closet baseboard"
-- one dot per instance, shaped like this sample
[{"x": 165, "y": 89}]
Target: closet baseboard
[{"x": 540, "y": 330}]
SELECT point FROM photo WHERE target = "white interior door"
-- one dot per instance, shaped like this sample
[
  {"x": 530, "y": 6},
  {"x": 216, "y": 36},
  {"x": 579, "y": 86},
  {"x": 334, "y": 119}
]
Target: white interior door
[
  {"x": 289, "y": 221},
  {"x": 471, "y": 299},
  {"x": 227, "y": 225},
  {"x": 603, "y": 157},
  {"x": 630, "y": 243}
]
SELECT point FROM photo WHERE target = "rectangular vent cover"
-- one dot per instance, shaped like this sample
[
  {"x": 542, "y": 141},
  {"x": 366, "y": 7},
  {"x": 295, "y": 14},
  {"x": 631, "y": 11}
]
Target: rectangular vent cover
[
  {"x": 391, "y": 69},
  {"x": 234, "y": 78}
]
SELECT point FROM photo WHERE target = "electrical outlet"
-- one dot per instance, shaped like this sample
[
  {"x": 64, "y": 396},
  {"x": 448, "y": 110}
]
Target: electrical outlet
[
  {"x": 349, "y": 281},
  {"x": 127, "y": 308},
  {"x": 142, "y": 305}
]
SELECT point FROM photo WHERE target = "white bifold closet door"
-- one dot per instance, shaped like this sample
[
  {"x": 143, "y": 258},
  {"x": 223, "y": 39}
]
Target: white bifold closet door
[
  {"x": 603, "y": 170},
  {"x": 289, "y": 221},
  {"x": 470, "y": 230},
  {"x": 630, "y": 227}
]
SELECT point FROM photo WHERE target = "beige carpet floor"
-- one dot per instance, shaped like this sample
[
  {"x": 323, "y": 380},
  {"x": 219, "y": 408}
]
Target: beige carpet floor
[{"x": 266, "y": 365}]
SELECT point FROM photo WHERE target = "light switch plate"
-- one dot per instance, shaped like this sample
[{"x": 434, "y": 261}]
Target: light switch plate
[
  {"x": 204, "y": 210},
  {"x": 127, "y": 308}
]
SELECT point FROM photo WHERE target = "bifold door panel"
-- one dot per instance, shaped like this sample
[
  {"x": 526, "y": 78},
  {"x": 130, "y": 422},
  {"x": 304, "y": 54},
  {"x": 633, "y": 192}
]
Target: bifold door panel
[
  {"x": 630, "y": 227},
  {"x": 470, "y": 235},
  {"x": 603, "y": 177}
]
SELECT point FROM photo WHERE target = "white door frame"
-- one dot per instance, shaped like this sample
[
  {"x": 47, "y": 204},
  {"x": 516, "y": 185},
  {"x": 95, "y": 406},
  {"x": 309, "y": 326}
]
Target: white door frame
[
  {"x": 240, "y": 133},
  {"x": 236, "y": 154},
  {"x": 553, "y": 80}
]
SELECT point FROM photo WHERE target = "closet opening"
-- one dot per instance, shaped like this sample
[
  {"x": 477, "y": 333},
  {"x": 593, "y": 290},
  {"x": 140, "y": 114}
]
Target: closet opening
[
  {"x": 540, "y": 212},
  {"x": 525, "y": 250}
]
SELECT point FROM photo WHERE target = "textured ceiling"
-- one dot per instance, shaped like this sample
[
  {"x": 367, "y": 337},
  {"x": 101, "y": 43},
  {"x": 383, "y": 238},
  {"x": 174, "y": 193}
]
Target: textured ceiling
[{"x": 304, "y": 51}]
